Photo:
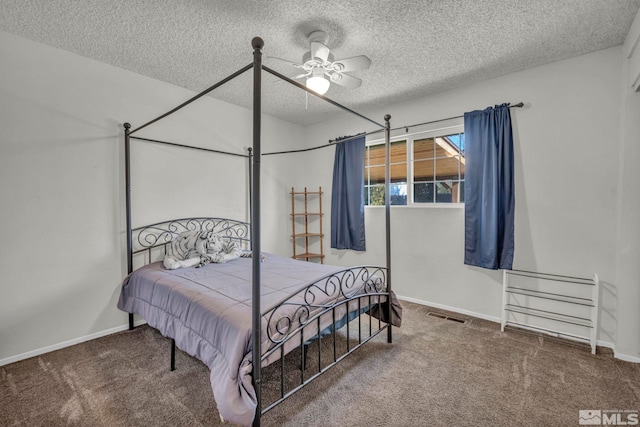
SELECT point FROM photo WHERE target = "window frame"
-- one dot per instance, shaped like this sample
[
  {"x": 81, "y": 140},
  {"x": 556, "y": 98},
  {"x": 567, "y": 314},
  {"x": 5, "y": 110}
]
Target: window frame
[{"x": 455, "y": 126}]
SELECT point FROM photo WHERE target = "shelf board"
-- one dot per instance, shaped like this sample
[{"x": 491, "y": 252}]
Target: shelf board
[
  {"x": 307, "y": 235},
  {"x": 551, "y": 296},
  {"x": 549, "y": 315},
  {"x": 308, "y": 255},
  {"x": 307, "y": 214},
  {"x": 306, "y": 192}
]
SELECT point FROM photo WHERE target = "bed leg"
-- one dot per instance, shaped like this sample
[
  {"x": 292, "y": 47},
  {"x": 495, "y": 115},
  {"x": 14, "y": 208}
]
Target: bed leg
[
  {"x": 130, "y": 321},
  {"x": 173, "y": 354}
]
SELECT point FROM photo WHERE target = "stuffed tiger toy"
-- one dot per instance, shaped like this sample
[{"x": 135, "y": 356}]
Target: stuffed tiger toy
[{"x": 198, "y": 248}]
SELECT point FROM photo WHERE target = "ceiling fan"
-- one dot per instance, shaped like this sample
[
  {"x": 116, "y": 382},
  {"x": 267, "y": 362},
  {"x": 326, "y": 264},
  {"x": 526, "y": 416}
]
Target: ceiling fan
[{"x": 320, "y": 68}]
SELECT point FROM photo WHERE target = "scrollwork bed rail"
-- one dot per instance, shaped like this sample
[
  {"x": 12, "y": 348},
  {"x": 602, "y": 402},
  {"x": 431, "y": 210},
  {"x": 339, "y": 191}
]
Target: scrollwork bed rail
[
  {"x": 158, "y": 235},
  {"x": 296, "y": 311},
  {"x": 321, "y": 309}
]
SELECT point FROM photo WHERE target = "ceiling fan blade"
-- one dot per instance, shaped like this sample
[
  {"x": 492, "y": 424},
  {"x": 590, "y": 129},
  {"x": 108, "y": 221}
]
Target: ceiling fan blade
[
  {"x": 320, "y": 51},
  {"x": 345, "y": 80},
  {"x": 284, "y": 61},
  {"x": 351, "y": 64},
  {"x": 299, "y": 76}
]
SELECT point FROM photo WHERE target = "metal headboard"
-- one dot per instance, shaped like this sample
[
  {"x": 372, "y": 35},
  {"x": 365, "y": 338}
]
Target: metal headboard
[{"x": 156, "y": 235}]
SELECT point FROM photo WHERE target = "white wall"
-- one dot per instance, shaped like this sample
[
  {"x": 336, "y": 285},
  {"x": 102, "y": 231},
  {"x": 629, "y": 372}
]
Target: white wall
[
  {"x": 62, "y": 185},
  {"x": 61, "y": 170},
  {"x": 567, "y": 152},
  {"x": 628, "y": 245}
]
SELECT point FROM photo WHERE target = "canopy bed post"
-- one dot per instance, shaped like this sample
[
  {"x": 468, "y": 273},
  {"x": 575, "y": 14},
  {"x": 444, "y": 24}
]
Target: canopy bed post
[
  {"x": 257, "y": 44},
  {"x": 387, "y": 209},
  {"x": 250, "y": 184},
  {"x": 127, "y": 178}
]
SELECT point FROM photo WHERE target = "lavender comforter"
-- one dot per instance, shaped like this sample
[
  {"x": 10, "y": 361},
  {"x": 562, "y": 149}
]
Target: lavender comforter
[{"x": 208, "y": 312}]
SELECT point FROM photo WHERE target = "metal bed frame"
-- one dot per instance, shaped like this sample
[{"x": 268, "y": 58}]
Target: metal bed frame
[{"x": 339, "y": 286}]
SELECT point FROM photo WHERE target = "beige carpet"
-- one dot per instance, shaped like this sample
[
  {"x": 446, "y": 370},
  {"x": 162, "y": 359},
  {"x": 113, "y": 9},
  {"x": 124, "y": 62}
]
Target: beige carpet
[{"x": 437, "y": 372}]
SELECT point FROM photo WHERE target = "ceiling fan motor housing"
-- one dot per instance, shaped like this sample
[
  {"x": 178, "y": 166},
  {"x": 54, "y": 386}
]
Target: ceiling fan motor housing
[{"x": 318, "y": 36}]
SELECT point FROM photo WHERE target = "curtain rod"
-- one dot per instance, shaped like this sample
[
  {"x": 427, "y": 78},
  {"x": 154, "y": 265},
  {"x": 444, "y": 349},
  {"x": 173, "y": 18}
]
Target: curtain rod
[{"x": 332, "y": 141}]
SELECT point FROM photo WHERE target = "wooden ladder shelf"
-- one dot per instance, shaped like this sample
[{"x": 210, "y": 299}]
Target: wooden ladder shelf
[{"x": 312, "y": 236}]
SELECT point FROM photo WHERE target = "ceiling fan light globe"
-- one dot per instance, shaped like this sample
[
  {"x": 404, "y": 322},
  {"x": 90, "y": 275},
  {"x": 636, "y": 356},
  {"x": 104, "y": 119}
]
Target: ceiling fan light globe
[{"x": 318, "y": 84}]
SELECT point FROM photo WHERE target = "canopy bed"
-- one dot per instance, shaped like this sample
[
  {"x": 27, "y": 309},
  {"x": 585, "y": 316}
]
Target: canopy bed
[{"x": 240, "y": 316}]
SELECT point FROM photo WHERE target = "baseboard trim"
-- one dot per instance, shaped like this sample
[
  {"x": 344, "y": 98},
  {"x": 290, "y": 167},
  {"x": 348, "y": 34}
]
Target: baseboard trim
[
  {"x": 68, "y": 343},
  {"x": 617, "y": 355},
  {"x": 625, "y": 357},
  {"x": 449, "y": 308}
]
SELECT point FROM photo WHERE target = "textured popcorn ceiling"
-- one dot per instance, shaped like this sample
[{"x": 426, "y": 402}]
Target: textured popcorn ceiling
[{"x": 416, "y": 47}]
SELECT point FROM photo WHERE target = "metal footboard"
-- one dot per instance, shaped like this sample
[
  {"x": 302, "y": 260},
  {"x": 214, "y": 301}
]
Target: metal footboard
[{"x": 322, "y": 315}]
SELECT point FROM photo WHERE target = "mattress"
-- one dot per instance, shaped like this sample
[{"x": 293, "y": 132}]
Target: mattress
[{"x": 208, "y": 312}]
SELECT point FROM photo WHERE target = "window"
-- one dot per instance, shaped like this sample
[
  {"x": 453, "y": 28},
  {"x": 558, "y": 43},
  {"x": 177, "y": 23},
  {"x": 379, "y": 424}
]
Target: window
[
  {"x": 374, "y": 175},
  {"x": 426, "y": 168}
]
